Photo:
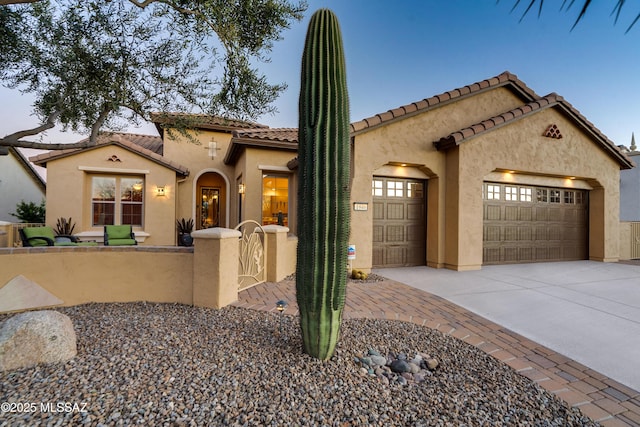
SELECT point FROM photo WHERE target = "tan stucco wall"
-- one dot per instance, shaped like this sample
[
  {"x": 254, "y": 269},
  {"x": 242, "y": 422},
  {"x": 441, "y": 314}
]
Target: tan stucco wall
[
  {"x": 104, "y": 274},
  {"x": 521, "y": 147},
  {"x": 252, "y": 164},
  {"x": 194, "y": 154},
  {"x": 411, "y": 141},
  {"x": 69, "y": 190},
  {"x": 455, "y": 177}
]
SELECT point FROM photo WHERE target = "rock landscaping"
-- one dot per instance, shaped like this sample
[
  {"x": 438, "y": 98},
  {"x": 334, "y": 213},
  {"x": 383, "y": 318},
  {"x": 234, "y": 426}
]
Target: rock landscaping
[{"x": 176, "y": 365}]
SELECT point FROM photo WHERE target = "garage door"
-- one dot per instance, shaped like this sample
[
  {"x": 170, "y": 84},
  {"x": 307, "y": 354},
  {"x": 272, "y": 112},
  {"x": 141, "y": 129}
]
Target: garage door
[
  {"x": 534, "y": 224},
  {"x": 399, "y": 219}
]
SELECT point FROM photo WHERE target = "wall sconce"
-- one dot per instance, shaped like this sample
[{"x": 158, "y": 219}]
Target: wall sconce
[
  {"x": 160, "y": 191},
  {"x": 241, "y": 188}
]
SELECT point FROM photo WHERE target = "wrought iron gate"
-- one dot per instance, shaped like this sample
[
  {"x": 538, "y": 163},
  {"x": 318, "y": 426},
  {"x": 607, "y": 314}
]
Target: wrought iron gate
[{"x": 252, "y": 269}]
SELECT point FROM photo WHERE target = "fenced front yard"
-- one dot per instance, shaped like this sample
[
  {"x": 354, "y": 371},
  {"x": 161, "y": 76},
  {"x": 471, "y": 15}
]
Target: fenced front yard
[{"x": 206, "y": 274}]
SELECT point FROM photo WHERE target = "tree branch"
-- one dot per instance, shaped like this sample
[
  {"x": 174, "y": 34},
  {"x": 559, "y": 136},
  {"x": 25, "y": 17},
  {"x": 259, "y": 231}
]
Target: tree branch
[
  {"x": 49, "y": 124},
  {"x": 95, "y": 129},
  {"x": 8, "y": 2},
  {"x": 43, "y": 145}
]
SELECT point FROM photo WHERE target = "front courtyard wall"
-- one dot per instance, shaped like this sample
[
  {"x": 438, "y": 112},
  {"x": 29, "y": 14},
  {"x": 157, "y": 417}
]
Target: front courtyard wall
[
  {"x": 69, "y": 190},
  {"x": 104, "y": 274},
  {"x": 520, "y": 147}
]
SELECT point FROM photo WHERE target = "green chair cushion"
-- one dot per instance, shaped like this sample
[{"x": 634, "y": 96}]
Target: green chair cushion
[
  {"x": 121, "y": 242},
  {"x": 118, "y": 232},
  {"x": 47, "y": 232}
]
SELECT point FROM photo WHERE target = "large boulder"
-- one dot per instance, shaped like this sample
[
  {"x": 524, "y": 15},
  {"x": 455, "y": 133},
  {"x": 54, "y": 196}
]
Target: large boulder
[{"x": 28, "y": 339}]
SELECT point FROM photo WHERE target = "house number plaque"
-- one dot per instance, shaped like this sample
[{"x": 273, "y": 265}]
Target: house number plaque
[{"x": 359, "y": 206}]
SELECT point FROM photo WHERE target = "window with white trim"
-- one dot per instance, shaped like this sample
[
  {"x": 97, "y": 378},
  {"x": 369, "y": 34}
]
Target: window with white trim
[{"x": 117, "y": 200}]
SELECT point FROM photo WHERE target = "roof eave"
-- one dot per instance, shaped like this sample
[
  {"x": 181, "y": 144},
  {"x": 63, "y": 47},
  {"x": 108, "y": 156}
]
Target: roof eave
[{"x": 239, "y": 144}]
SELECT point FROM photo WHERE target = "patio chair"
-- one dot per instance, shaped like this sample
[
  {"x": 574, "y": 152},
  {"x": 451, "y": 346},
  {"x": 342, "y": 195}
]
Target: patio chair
[
  {"x": 44, "y": 236},
  {"x": 119, "y": 235}
]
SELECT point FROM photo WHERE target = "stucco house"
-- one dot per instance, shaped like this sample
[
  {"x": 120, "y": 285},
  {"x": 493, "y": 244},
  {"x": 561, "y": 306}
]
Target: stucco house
[
  {"x": 487, "y": 173},
  {"x": 19, "y": 181}
]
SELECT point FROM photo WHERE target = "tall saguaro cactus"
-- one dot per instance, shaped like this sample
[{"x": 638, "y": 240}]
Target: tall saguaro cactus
[{"x": 323, "y": 191}]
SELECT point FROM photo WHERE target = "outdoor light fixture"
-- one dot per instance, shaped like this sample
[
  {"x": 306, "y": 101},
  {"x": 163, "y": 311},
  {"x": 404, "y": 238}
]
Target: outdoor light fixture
[
  {"x": 160, "y": 191},
  {"x": 241, "y": 188},
  {"x": 281, "y": 306}
]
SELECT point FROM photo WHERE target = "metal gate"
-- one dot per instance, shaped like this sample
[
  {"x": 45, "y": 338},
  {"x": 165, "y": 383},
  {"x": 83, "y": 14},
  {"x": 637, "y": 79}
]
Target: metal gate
[{"x": 252, "y": 266}]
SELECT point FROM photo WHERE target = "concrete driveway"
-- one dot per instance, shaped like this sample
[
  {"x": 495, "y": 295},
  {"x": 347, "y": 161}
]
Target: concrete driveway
[{"x": 589, "y": 311}]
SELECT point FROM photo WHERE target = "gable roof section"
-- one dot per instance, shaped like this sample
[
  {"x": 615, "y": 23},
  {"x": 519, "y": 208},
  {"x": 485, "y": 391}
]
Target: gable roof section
[
  {"x": 142, "y": 145},
  {"x": 28, "y": 168},
  {"x": 552, "y": 100},
  {"x": 200, "y": 121},
  {"x": 506, "y": 79},
  {"x": 281, "y": 139}
]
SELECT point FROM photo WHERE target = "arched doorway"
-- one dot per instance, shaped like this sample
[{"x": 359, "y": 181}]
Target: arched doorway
[{"x": 211, "y": 196}]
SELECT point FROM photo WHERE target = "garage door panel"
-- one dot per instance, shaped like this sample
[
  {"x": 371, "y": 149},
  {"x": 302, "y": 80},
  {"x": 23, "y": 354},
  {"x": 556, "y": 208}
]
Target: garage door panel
[
  {"x": 378, "y": 234},
  {"x": 394, "y": 233},
  {"x": 415, "y": 233},
  {"x": 492, "y": 212},
  {"x": 511, "y": 213},
  {"x": 395, "y": 211},
  {"x": 378, "y": 210},
  {"x": 399, "y": 222},
  {"x": 415, "y": 211},
  {"x": 551, "y": 226},
  {"x": 395, "y": 255}
]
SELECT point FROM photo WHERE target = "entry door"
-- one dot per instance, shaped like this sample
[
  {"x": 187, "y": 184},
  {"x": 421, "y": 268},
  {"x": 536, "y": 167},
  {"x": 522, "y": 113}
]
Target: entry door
[
  {"x": 209, "y": 207},
  {"x": 399, "y": 222}
]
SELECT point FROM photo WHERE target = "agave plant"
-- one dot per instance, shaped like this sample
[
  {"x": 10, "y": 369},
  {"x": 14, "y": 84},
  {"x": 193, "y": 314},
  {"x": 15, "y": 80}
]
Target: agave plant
[
  {"x": 185, "y": 226},
  {"x": 323, "y": 192},
  {"x": 64, "y": 227}
]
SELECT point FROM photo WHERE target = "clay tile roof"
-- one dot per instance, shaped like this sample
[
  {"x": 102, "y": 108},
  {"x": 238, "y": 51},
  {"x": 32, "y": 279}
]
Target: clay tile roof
[
  {"x": 506, "y": 79},
  {"x": 202, "y": 121},
  {"x": 551, "y": 100},
  {"x": 282, "y": 138},
  {"x": 148, "y": 146},
  {"x": 275, "y": 134}
]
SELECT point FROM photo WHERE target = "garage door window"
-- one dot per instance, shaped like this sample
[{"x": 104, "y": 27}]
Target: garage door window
[
  {"x": 511, "y": 193},
  {"x": 395, "y": 189},
  {"x": 525, "y": 194},
  {"x": 493, "y": 192},
  {"x": 543, "y": 195},
  {"x": 376, "y": 189}
]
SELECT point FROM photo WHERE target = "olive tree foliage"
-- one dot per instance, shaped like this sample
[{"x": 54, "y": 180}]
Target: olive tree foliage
[
  {"x": 100, "y": 64},
  {"x": 568, "y": 4}
]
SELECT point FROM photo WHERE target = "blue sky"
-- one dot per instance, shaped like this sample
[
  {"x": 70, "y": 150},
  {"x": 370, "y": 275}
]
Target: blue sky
[{"x": 402, "y": 51}]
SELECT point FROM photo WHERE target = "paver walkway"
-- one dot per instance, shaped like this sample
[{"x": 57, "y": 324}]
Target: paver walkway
[{"x": 604, "y": 400}]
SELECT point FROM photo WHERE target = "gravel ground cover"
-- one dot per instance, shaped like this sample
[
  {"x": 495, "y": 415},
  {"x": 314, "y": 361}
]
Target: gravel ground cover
[{"x": 176, "y": 365}]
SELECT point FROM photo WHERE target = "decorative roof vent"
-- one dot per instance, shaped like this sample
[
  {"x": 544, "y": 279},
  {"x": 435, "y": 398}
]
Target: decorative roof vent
[
  {"x": 553, "y": 132},
  {"x": 114, "y": 158}
]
